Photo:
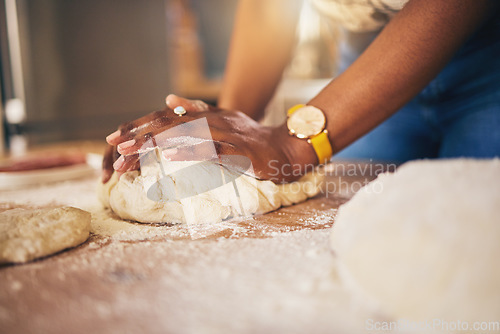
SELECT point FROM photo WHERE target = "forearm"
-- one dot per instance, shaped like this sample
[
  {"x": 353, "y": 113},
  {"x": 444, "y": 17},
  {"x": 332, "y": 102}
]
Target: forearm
[
  {"x": 412, "y": 49},
  {"x": 261, "y": 46}
]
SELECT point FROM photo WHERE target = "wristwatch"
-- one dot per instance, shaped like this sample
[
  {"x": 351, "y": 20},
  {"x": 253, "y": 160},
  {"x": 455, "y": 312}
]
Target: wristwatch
[{"x": 308, "y": 122}]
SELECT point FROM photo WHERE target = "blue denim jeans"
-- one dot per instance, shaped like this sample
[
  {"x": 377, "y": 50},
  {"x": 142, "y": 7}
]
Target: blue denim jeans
[{"x": 456, "y": 115}]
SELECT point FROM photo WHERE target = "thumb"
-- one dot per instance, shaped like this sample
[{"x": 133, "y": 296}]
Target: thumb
[{"x": 173, "y": 101}]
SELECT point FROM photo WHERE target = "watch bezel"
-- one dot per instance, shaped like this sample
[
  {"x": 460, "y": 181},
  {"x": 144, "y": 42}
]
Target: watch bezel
[{"x": 298, "y": 113}]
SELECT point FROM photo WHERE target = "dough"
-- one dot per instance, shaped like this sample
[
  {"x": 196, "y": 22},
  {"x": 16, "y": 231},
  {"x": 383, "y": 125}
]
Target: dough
[
  {"x": 27, "y": 234},
  {"x": 424, "y": 242},
  {"x": 193, "y": 192}
]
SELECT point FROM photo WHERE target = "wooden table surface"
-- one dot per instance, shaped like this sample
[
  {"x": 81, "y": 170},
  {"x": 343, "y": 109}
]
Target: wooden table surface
[{"x": 271, "y": 273}]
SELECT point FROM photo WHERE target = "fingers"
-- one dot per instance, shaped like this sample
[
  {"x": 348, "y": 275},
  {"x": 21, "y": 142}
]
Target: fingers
[
  {"x": 186, "y": 132},
  {"x": 111, "y": 139},
  {"x": 144, "y": 142},
  {"x": 173, "y": 101},
  {"x": 155, "y": 122},
  {"x": 190, "y": 133},
  {"x": 114, "y": 162},
  {"x": 129, "y": 130},
  {"x": 203, "y": 151},
  {"x": 127, "y": 163},
  {"x": 107, "y": 163}
]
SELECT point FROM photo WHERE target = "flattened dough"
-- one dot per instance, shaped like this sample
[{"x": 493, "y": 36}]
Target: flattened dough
[
  {"x": 202, "y": 198},
  {"x": 27, "y": 234},
  {"x": 424, "y": 242}
]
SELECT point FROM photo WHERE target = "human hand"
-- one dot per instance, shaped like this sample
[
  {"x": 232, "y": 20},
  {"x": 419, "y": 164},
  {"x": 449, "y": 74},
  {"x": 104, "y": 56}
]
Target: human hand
[{"x": 209, "y": 133}]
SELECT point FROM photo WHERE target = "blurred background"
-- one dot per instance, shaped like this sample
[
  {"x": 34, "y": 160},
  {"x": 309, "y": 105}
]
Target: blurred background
[{"x": 74, "y": 70}]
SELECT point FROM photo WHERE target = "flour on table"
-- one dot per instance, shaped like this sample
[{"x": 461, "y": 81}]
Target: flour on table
[
  {"x": 424, "y": 242},
  {"x": 198, "y": 192},
  {"x": 27, "y": 234}
]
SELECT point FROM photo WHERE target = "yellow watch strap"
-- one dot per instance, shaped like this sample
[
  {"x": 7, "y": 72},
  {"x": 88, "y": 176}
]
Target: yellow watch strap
[
  {"x": 294, "y": 109},
  {"x": 320, "y": 142},
  {"x": 322, "y": 146}
]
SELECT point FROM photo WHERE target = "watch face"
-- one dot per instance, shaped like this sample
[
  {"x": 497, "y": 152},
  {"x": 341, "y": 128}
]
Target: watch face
[{"x": 306, "y": 122}]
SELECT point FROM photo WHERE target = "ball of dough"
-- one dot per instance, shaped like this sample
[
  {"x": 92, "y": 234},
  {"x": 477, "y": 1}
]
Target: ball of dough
[
  {"x": 424, "y": 242},
  {"x": 198, "y": 192},
  {"x": 27, "y": 234}
]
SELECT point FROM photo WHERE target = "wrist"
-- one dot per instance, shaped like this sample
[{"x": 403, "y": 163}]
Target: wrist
[
  {"x": 300, "y": 154},
  {"x": 308, "y": 122}
]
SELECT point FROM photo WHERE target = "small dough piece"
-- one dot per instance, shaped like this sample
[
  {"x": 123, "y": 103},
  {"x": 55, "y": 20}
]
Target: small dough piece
[
  {"x": 424, "y": 243},
  {"x": 202, "y": 197},
  {"x": 27, "y": 234}
]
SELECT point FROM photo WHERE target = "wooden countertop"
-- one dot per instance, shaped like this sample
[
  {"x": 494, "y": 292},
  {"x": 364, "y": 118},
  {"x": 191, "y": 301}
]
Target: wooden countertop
[{"x": 270, "y": 273}]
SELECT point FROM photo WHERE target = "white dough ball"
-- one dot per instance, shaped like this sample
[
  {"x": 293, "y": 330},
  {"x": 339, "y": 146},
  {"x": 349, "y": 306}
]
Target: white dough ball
[
  {"x": 424, "y": 242},
  {"x": 193, "y": 192}
]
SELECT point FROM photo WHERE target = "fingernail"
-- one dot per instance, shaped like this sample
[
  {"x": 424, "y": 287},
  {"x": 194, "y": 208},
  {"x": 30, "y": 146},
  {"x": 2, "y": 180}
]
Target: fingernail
[
  {"x": 167, "y": 101},
  {"x": 126, "y": 144},
  {"x": 119, "y": 163},
  {"x": 113, "y": 136}
]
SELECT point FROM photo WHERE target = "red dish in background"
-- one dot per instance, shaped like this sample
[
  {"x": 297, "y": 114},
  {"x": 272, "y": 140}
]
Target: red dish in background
[{"x": 38, "y": 161}]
